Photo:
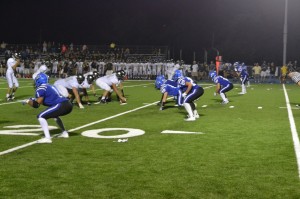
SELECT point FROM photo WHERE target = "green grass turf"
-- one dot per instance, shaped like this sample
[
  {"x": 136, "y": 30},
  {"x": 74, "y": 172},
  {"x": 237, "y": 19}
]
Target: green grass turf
[{"x": 244, "y": 152}]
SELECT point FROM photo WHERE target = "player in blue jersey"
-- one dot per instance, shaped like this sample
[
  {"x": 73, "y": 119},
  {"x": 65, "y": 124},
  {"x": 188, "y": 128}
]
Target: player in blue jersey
[
  {"x": 188, "y": 93},
  {"x": 168, "y": 88},
  {"x": 241, "y": 71},
  {"x": 223, "y": 85},
  {"x": 159, "y": 81},
  {"x": 58, "y": 105}
]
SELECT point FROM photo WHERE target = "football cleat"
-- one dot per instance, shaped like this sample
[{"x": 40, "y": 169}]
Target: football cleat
[
  {"x": 103, "y": 101},
  {"x": 225, "y": 102},
  {"x": 9, "y": 99},
  {"x": 190, "y": 119},
  {"x": 196, "y": 115},
  {"x": 44, "y": 141},
  {"x": 64, "y": 134}
]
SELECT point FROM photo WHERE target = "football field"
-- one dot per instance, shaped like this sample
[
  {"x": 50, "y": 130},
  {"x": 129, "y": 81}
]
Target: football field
[{"x": 248, "y": 148}]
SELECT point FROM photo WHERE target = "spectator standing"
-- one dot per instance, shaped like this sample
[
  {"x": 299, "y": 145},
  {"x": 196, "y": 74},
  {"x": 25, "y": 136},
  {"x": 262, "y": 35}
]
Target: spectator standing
[
  {"x": 63, "y": 49},
  {"x": 3, "y": 47},
  {"x": 195, "y": 70},
  {"x": 272, "y": 72},
  {"x": 45, "y": 47},
  {"x": 283, "y": 74},
  {"x": 256, "y": 70},
  {"x": 263, "y": 72}
]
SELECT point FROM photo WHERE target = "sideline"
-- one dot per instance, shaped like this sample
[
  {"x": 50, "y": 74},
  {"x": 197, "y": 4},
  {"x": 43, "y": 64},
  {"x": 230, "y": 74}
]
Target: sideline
[
  {"x": 293, "y": 129},
  {"x": 87, "y": 125}
]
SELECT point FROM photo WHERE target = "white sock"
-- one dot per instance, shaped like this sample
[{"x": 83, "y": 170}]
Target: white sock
[
  {"x": 223, "y": 97},
  {"x": 44, "y": 125},
  {"x": 188, "y": 109},
  {"x": 243, "y": 88},
  {"x": 195, "y": 112}
]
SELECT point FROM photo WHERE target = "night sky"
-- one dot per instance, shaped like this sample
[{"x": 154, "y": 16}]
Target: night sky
[{"x": 242, "y": 30}]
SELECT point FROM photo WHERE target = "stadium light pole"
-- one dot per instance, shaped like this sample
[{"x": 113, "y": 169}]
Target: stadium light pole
[{"x": 285, "y": 32}]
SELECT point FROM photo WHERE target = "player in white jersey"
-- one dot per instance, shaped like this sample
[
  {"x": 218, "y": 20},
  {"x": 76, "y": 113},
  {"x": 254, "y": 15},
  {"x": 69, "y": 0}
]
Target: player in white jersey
[
  {"x": 37, "y": 64},
  {"x": 72, "y": 84},
  {"x": 79, "y": 68},
  {"x": 87, "y": 83},
  {"x": 95, "y": 75},
  {"x": 11, "y": 79},
  {"x": 54, "y": 67},
  {"x": 109, "y": 84},
  {"x": 170, "y": 70},
  {"x": 42, "y": 69}
]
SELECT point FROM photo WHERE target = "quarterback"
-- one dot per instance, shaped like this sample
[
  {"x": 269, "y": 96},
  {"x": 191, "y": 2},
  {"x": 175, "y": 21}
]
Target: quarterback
[{"x": 12, "y": 81}]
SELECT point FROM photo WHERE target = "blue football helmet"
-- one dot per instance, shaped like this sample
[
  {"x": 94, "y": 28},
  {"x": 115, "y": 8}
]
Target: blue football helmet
[
  {"x": 213, "y": 75},
  {"x": 159, "y": 81},
  {"x": 177, "y": 75},
  {"x": 236, "y": 64},
  {"x": 40, "y": 79}
]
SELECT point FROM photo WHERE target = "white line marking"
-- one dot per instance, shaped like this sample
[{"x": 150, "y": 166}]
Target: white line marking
[
  {"x": 293, "y": 129},
  {"x": 81, "y": 127},
  {"x": 291, "y": 108},
  {"x": 179, "y": 132}
]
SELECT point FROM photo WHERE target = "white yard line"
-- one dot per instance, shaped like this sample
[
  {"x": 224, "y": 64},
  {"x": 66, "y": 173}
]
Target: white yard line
[
  {"x": 84, "y": 126},
  {"x": 293, "y": 129}
]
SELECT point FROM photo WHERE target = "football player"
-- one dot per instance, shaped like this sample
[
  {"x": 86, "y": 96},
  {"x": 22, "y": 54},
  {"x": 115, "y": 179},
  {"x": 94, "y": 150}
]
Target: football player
[
  {"x": 295, "y": 76},
  {"x": 87, "y": 83},
  {"x": 95, "y": 75},
  {"x": 223, "y": 85},
  {"x": 58, "y": 105},
  {"x": 169, "y": 88},
  {"x": 188, "y": 93},
  {"x": 11, "y": 79},
  {"x": 241, "y": 71},
  {"x": 109, "y": 84},
  {"x": 72, "y": 84},
  {"x": 159, "y": 81},
  {"x": 42, "y": 69}
]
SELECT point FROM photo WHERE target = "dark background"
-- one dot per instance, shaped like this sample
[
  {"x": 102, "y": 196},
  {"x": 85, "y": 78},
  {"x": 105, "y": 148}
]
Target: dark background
[{"x": 241, "y": 30}]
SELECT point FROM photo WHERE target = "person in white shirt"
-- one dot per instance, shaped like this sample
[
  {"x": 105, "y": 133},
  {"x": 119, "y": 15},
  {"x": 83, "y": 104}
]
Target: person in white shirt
[
  {"x": 109, "y": 84},
  {"x": 72, "y": 85},
  {"x": 11, "y": 79},
  {"x": 42, "y": 69},
  {"x": 54, "y": 67},
  {"x": 195, "y": 68}
]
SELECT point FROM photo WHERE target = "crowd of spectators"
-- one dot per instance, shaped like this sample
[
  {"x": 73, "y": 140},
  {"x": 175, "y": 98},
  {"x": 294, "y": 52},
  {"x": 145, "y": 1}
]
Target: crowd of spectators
[{"x": 72, "y": 59}]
